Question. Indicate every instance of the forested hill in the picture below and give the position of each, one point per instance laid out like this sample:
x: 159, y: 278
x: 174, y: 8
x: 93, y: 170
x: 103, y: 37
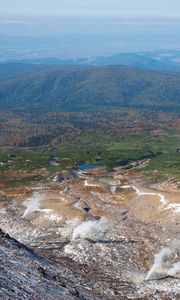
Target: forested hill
x: 80, y: 88
x: 12, y: 70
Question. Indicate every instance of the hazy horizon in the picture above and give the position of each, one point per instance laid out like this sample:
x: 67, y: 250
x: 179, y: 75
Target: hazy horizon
x: 100, y: 27
x: 96, y: 17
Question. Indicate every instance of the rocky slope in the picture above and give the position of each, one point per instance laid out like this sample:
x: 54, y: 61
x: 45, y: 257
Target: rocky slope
x: 100, y: 236
x: 26, y: 275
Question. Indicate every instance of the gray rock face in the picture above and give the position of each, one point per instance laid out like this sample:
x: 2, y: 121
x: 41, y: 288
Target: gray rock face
x: 26, y: 275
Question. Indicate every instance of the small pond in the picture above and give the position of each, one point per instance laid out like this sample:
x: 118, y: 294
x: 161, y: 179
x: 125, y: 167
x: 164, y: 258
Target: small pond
x: 89, y: 166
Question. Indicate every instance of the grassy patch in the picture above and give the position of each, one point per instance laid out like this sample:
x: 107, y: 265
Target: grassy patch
x: 3, y: 198
x: 168, y: 163
x: 15, y: 182
x: 114, y: 148
x: 93, y: 146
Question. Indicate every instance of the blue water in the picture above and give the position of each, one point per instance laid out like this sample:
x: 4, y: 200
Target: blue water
x: 89, y: 166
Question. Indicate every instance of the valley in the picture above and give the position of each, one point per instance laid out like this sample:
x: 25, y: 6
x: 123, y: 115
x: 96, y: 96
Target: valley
x: 89, y: 150
x: 113, y: 223
x: 89, y: 184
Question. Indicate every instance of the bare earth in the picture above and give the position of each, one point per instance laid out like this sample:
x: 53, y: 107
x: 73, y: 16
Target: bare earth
x: 105, y: 227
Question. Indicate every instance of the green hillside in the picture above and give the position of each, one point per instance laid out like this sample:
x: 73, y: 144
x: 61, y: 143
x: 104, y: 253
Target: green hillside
x: 79, y: 89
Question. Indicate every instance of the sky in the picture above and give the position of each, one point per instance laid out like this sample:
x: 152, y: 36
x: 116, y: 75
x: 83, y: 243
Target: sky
x: 148, y: 21
x: 93, y: 8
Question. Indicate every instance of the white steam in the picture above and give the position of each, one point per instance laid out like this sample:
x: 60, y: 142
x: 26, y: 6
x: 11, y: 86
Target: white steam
x: 174, y: 270
x: 33, y: 203
x: 91, y: 229
x: 52, y: 217
x: 158, y: 260
x: 113, y: 189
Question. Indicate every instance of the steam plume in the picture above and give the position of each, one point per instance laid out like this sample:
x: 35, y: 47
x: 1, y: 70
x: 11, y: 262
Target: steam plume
x: 33, y: 203
x: 91, y: 228
x: 158, y: 260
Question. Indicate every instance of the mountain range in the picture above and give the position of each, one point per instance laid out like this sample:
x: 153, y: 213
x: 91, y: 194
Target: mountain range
x: 53, y: 88
x: 164, y: 61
